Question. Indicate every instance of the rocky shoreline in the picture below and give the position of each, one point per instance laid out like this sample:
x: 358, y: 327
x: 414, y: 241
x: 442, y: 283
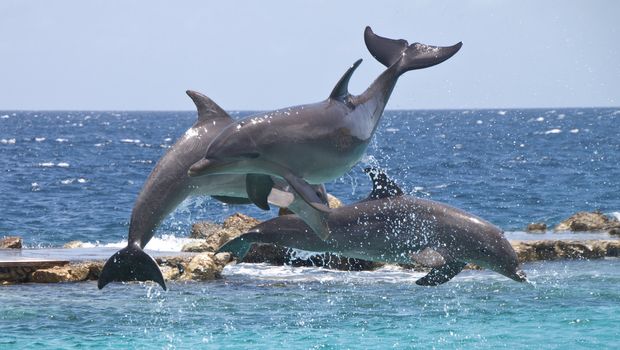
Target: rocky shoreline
x: 205, y: 264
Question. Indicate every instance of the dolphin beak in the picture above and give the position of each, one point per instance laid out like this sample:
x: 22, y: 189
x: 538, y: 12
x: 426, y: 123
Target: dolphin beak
x: 199, y: 168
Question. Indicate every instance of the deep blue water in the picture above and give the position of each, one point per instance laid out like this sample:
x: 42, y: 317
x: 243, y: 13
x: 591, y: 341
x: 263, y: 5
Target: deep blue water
x: 75, y: 175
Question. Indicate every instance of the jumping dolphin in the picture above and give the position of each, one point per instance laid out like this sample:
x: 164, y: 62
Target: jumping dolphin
x: 168, y: 185
x: 316, y: 143
x: 392, y: 227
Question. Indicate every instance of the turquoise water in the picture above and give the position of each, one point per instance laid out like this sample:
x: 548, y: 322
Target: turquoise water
x: 74, y: 176
x: 572, y: 304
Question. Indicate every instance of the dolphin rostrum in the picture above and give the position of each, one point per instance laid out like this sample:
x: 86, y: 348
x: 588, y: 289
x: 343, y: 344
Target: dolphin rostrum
x: 392, y: 227
x: 316, y: 143
x: 168, y: 185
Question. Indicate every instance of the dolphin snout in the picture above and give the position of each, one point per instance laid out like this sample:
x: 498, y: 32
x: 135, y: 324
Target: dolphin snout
x: 199, y: 168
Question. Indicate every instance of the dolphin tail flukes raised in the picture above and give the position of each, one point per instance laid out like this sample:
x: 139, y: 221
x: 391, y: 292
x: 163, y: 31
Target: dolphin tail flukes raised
x: 130, y: 264
x: 408, y: 57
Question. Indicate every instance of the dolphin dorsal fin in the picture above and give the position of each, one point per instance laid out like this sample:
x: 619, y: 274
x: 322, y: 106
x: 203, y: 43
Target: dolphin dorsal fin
x: 207, y: 109
x: 382, y: 185
x: 341, y: 90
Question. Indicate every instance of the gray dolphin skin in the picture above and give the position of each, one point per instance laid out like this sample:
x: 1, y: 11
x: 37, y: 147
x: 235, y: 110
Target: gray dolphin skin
x: 316, y: 143
x: 391, y: 227
x: 168, y: 185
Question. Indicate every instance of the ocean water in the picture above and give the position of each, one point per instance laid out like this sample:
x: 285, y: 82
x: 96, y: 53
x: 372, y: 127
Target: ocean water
x: 74, y: 176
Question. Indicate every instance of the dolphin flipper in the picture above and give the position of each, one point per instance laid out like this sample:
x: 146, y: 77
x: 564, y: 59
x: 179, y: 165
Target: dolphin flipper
x: 232, y: 200
x: 239, y: 247
x: 258, y: 187
x: 311, y: 209
x: 130, y: 264
x: 442, y: 274
x: 408, y: 57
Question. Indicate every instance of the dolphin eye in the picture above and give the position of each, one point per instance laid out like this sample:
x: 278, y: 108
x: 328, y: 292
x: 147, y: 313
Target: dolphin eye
x: 318, y: 193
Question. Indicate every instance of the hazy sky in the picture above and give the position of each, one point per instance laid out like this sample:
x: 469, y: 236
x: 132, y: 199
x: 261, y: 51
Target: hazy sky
x: 128, y: 55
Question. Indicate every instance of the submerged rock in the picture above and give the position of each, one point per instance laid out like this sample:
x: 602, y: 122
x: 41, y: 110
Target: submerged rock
x: 586, y: 221
x: 11, y: 242
x: 536, y: 227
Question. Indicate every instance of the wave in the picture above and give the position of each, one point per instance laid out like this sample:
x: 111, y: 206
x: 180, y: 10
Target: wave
x: 165, y: 243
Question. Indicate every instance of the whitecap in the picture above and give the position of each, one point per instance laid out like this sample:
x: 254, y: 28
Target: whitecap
x: 479, y: 122
x: 82, y: 180
x: 130, y: 141
x: 574, y: 131
x: 540, y: 119
x: 39, y: 139
x: 502, y: 112
x: 67, y: 181
x: 5, y: 116
x: 7, y: 141
x: 34, y: 187
x: 392, y: 129
x: 553, y: 131
x: 62, y: 165
x: 62, y: 140
x: 46, y: 164
x: 167, y: 139
x: 165, y: 243
x: 616, y: 214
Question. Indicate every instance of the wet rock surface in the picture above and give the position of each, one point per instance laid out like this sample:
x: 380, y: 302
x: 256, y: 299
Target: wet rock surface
x: 536, y: 227
x: 11, y: 242
x: 588, y: 221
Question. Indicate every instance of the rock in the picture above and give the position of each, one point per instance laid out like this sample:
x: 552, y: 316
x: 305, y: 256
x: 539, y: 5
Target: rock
x: 198, y: 247
x: 202, y: 267
x: 73, y: 244
x: 11, y: 242
x: 67, y: 273
x: 586, y: 221
x: 267, y: 253
x: 536, y: 227
x: 614, y: 231
x: 204, y: 229
x: 333, y: 201
x: 240, y: 222
x: 223, y: 258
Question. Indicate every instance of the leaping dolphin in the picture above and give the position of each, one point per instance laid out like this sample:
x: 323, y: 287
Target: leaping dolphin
x: 168, y: 185
x: 392, y: 227
x: 316, y: 143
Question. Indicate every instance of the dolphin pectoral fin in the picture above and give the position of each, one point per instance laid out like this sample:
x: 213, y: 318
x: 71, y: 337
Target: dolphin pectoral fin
x: 130, y: 264
x: 258, y: 187
x: 239, y: 247
x: 311, y: 208
x: 442, y: 274
x: 232, y: 200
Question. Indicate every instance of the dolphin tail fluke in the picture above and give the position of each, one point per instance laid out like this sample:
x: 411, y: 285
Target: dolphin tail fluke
x: 408, y: 57
x: 239, y: 247
x: 130, y: 264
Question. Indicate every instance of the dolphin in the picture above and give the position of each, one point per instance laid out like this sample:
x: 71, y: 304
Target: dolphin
x: 316, y: 143
x: 392, y: 227
x: 168, y: 185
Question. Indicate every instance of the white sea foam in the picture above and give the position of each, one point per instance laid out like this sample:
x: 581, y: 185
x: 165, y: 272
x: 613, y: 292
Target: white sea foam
x: 553, y: 131
x: 540, y: 119
x: 616, y: 214
x: 46, y: 164
x: 34, y: 187
x: 67, y: 181
x: 62, y: 165
x: 574, y: 131
x: 39, y: 139
x: 164, y: 243
x: 392, y: 129
x: 130, y: 141
x: 62, y: 140
x: 51, y: 164
x: 479, y: 122
x: 7, y: 141
x: 502, y: 112
x: 5, y: 116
